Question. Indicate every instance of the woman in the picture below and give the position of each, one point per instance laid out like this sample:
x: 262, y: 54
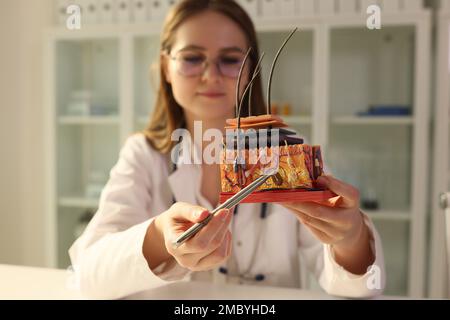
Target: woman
x: 148, y: 201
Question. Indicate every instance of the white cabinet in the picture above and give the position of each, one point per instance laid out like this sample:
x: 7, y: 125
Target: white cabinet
x: 101, y: 87
x: 327, y: 7
x: 391, y: 6
x: 123, y: 10
x: 250, y: 6
x: 378, y: 137
x: 414, y: 5
x: 89, y: 11
x: 364, y: 4
x: 84, y: 128
x: 288, y: 8
x: 307, y: 8
x: 145, y: 77
x: 158, y: 9
x: 106, y: 11
x: 140, y: 11
x: 347, y: 6
x: 441, y: 162
x: 270, y: 8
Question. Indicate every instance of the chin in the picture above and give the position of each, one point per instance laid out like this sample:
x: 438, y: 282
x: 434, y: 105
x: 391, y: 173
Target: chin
x: 217, y: 111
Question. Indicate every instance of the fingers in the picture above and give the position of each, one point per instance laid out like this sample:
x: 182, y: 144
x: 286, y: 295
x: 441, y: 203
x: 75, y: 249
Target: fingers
x: 207, y: 260
x: 320, y: 234
x: 209, y: 237
x: 209, y: 247
x: 217, y: 257
x: 310, y: 221
x: 221, y: 234
x: 327, y: 230
x: 188, y: 212
x: 349, y: 193
x: 314, y: 210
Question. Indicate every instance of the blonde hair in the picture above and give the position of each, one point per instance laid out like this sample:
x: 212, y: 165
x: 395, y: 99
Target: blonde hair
x: 167, y: 113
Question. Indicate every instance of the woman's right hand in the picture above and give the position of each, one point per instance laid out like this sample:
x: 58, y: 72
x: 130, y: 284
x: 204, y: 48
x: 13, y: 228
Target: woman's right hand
x: 207, y: 249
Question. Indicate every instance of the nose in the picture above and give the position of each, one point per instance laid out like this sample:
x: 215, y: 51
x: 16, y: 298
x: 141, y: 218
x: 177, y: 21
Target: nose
x: 212, y: 72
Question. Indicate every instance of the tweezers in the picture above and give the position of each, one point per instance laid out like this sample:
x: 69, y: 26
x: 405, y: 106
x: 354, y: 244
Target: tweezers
x: 230, y: 203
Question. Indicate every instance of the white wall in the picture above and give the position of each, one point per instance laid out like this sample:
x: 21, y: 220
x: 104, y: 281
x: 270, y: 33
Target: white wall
x: 10, y: 232
x: 22, y: 230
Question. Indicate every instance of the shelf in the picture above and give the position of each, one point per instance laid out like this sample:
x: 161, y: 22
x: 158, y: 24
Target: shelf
x: 110, y: 31
x: 88, y: 120
x: 389, y: 19
x: 78, y: 202
x: 391, y: 215
x: 378, y: 120
x: 262, y: 24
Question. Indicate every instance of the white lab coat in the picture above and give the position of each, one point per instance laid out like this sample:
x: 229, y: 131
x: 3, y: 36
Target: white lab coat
x: 108, y: 261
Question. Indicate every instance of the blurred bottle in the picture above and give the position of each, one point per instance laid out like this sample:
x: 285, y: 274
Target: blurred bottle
x: 79, y: 103
x: 287, y: 109
x: 275, y: 108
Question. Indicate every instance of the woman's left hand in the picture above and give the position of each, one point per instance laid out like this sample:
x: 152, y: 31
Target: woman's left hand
x: 341, y: 226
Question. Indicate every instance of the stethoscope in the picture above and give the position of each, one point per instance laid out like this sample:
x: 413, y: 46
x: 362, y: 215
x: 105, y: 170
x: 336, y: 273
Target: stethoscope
x: 245, y: 275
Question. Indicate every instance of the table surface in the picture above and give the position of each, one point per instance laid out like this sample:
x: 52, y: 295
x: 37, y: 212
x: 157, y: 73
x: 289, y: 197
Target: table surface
x: 21, y: 282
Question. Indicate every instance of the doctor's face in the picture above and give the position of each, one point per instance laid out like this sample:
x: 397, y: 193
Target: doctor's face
x: 203, y: 65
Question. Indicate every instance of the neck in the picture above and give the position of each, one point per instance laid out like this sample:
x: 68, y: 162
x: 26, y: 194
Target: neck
x: 215, y: 123
x: 210, y: 184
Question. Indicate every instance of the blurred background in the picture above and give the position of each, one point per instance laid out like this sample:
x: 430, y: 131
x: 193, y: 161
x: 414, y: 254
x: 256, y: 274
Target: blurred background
x: 376, y: 100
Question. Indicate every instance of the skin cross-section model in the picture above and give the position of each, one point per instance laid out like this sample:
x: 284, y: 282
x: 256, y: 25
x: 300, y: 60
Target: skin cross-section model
x: 245, y: 158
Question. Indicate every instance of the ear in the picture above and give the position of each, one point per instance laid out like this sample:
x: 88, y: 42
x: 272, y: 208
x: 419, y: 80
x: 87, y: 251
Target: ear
x: 165, y: 67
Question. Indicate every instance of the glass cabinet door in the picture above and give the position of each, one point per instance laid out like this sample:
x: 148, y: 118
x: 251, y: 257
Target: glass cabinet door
x: 87, y: 131
x: 372, y: 129
x: 146, y: 78
x: 87, y: 77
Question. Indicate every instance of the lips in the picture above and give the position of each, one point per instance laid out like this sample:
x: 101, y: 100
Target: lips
x: 211, y: 94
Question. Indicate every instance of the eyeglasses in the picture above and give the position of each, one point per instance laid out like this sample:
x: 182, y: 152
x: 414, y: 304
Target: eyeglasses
x: 192, y: 64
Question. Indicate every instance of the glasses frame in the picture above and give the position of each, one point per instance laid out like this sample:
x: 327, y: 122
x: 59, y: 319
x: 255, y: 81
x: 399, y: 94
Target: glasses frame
x: 206, y: 63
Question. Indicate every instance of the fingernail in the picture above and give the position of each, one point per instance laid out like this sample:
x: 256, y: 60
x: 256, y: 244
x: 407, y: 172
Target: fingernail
x: 198, y: 214
x: 322, y: 180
